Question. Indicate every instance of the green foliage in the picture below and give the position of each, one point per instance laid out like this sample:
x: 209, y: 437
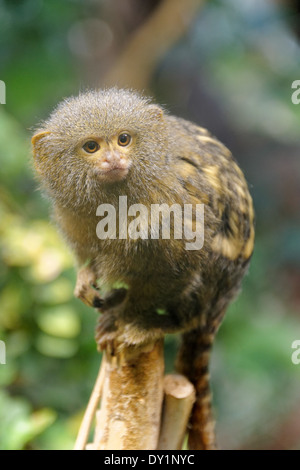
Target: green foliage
x: 51, y: 356
x: 19, y: 424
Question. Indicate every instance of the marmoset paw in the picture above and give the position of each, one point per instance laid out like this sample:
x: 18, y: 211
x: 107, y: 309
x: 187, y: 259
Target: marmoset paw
x: 88, y: 295
x: 86, y: 289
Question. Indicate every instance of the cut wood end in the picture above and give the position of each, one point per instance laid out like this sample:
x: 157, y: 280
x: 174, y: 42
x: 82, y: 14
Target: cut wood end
x: 179, y: 399
x: 178, y: 386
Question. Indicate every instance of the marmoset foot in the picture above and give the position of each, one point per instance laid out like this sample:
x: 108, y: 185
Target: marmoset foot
x: 115, y: 331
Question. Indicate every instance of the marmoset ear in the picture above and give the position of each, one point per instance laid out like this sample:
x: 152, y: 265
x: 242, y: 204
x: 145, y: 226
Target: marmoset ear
x: 39, y: 136
x: 37, y: 142
x: 156, y: 112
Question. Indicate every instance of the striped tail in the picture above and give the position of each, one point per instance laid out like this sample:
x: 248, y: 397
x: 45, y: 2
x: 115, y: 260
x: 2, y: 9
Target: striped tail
x: 193, y: 362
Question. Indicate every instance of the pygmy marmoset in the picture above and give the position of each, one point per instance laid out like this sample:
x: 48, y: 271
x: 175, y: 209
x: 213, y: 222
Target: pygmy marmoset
x: 105, y: 144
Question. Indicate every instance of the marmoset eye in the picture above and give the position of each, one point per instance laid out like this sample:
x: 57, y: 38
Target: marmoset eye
x: 124, y: 139
x: 91, y: 146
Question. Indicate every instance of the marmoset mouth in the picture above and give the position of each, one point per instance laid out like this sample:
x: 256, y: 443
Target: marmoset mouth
x: 111, y: 174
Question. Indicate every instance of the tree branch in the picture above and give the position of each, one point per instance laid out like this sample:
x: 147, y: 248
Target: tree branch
x: 135, y: 65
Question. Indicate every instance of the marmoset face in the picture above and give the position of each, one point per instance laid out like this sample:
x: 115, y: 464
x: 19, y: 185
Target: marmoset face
x: 96, y: 140
x: 109, y: 157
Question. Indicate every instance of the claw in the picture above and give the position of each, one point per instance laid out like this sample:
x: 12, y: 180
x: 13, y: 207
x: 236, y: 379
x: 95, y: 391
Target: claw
x: 107, y: 341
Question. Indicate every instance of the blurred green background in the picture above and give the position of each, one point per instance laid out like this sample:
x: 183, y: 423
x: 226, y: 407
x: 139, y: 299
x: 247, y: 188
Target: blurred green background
x: 230, y: 69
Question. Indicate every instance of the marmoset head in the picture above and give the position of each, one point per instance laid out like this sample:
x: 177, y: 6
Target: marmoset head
x: 97, y: 141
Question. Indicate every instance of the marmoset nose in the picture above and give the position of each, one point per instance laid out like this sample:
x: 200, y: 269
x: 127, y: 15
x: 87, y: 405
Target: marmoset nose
x: 113, y: 159
x: 110, y: 156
